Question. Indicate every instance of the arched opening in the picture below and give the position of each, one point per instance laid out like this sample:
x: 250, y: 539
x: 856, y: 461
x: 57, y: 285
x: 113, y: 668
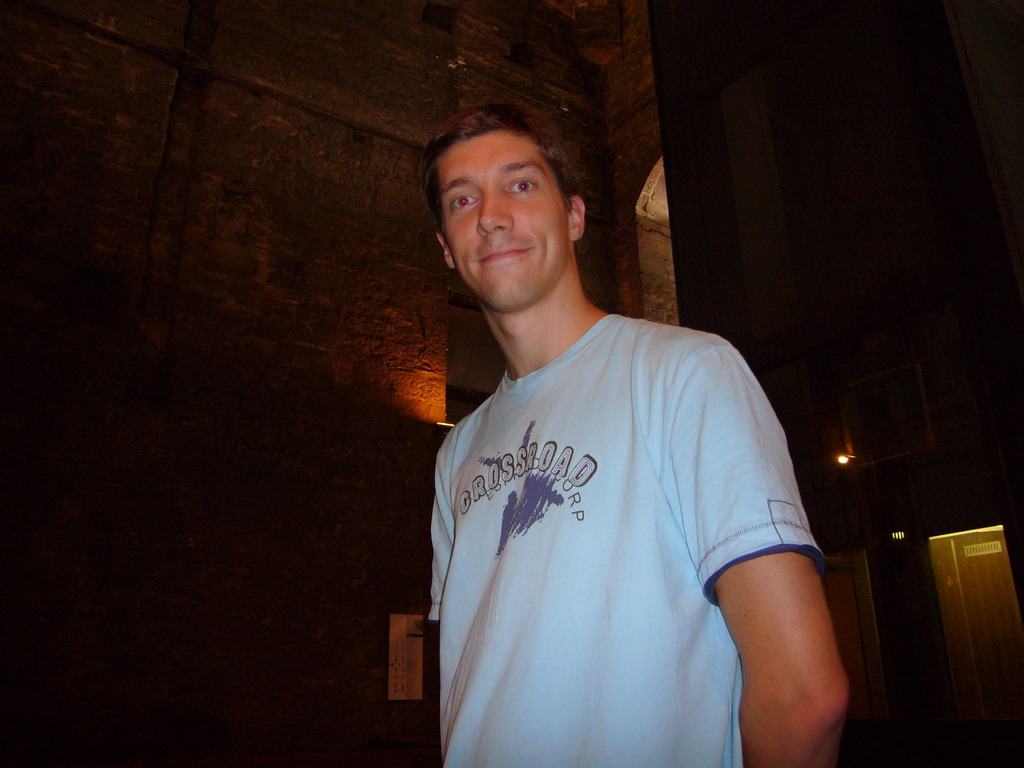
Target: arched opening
x: 654, y: 243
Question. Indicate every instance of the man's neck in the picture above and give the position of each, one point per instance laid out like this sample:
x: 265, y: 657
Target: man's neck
x: 530, y: 340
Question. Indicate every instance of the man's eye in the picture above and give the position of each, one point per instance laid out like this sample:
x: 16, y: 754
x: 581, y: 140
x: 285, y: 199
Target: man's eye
x: 460, y: 202
x: 524, y: 186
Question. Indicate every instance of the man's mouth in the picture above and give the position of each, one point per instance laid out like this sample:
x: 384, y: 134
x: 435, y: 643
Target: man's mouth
x: 500, y: 254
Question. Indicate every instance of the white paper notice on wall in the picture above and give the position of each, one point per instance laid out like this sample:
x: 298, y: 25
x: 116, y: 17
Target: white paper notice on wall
x: 405, y: 657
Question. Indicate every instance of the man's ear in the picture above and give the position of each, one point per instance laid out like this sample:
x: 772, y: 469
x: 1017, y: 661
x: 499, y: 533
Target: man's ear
x: 447, y: 252
x: 577, y: 217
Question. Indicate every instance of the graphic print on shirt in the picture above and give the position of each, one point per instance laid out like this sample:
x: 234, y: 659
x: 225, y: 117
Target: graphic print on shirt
x: 520, y: 514
x: 549, y: 481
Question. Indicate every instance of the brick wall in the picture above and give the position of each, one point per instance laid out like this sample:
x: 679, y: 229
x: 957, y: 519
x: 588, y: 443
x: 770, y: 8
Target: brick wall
x: 634, y: 138
x: 222, y: 319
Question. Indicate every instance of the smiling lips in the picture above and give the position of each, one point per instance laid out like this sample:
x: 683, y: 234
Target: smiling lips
x: 503, y: 253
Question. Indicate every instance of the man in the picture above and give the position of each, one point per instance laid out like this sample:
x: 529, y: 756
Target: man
x: 618, y: 526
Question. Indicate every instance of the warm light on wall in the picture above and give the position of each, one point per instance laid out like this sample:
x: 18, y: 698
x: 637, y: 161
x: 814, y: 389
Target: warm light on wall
x: 899, y: 535
x: 844, y: 458
x: 417, y: 394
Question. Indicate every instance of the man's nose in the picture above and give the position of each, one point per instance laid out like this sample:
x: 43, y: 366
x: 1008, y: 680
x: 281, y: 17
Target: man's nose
x: 495, y: 214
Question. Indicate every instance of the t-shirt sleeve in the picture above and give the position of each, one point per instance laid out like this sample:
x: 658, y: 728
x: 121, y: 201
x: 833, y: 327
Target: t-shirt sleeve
x: 738, y: 497
x: 442, y: 533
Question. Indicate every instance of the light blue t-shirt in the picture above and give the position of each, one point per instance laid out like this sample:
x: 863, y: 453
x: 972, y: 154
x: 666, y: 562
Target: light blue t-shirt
x: 582, y: 516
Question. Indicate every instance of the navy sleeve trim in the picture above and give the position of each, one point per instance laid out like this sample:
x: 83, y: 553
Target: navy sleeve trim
x: 804, y: 549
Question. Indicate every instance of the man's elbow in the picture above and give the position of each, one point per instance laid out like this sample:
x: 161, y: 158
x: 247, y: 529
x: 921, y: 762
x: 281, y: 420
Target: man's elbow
x: 824, y: 710
x: 812, y: 716
x: 817, y: 716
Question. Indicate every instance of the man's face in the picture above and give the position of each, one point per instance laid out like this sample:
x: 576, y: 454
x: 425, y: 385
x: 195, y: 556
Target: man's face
x: 507, y: 230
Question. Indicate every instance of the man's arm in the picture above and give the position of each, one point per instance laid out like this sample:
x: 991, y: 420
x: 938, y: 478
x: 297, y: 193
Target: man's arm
x: 794, y: 686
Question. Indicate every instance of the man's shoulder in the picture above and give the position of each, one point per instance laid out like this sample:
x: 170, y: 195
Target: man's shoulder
x: 650, y: 338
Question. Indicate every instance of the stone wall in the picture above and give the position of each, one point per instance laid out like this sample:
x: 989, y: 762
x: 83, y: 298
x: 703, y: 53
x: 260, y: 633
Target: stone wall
x: 223, y: 333
x: 634, y: 138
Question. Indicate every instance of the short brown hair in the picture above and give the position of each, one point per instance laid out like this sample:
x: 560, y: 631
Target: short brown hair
x: 517, y: 119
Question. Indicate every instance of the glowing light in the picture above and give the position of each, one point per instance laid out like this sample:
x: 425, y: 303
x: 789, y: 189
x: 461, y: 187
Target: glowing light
x: 899, y: 535
x: 987, y: 529
x: 844, y: 458
x: 445, y: 424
